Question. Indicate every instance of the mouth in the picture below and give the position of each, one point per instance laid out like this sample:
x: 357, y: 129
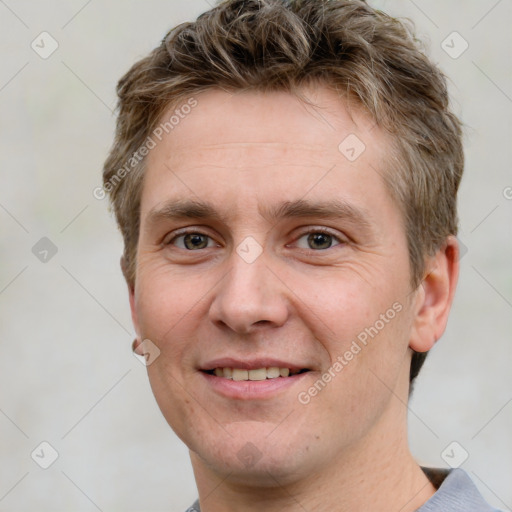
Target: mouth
x: 257, y: 379
x: 260, y: 383
x: 256, y: 374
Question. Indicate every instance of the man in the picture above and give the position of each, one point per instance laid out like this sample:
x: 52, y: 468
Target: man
x: 284, y: 175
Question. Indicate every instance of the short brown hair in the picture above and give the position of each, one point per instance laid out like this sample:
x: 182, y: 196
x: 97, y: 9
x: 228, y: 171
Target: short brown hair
x: 270, y: 45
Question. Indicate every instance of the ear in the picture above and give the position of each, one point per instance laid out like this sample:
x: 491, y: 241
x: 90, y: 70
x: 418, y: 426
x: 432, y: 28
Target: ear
x: 434, y: 296
x: 131, y: 296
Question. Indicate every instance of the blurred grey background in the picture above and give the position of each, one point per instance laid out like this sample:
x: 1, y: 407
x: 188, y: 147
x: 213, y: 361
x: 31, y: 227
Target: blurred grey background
x: 67, y: 374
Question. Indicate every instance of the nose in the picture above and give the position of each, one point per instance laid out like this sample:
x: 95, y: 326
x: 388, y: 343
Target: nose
x: 249, y: 297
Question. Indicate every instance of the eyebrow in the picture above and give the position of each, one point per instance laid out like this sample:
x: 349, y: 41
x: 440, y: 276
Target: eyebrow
x: 330, y: 209
x: 196, y: 209
x: 182, y: 209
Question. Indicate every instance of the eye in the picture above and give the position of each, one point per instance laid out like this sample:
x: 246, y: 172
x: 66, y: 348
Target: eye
x: 191, y: 241
x: 318, y: 240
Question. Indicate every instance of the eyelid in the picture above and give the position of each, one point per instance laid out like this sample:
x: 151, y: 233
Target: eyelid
x: 342, y: 239
x: 170, y: 237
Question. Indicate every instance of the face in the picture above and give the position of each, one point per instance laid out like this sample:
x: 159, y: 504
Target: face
x: 271, y: 250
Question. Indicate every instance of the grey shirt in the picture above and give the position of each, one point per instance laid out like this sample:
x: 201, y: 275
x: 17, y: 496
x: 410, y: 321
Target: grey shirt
x: 455, y: 493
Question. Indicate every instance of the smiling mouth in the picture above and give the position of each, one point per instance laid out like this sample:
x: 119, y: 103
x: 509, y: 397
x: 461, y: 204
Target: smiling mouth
x: 258, y: 374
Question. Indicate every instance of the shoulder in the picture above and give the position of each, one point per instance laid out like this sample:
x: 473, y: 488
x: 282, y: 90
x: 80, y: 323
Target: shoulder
x: 456, y: 491
x: 194, y: 507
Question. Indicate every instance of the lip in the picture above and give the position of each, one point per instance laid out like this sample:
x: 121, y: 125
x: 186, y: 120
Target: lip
x: 251, y: 389
x: 252, y: 364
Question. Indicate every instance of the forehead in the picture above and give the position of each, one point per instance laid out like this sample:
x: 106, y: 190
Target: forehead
x: 267, y: 146
x: 315, y: 119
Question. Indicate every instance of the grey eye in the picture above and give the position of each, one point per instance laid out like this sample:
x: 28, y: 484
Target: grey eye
x: 317, y: 240
x: 192, y: 241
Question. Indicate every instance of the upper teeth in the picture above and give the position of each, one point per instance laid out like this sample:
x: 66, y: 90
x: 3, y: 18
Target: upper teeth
x: 258, y: 374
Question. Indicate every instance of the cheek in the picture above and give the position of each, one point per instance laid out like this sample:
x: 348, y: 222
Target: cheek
x: 367, y: 365
x: 344, y: 304
x: 164, y: 300
x: 165, y: 319
x: 168, y: 317
x: 364, y: 328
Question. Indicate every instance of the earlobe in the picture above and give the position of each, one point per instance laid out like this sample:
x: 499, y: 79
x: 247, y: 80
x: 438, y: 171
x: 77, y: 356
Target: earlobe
x: 435, y: 296
x: 137, y: 347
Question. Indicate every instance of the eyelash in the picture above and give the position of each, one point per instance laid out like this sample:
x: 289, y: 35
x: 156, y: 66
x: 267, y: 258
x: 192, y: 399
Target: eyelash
x: 305, y: 233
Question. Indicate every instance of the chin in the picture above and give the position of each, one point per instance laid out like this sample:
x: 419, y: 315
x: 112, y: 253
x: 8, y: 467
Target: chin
x: 256, y: 458
x: 255, y: 469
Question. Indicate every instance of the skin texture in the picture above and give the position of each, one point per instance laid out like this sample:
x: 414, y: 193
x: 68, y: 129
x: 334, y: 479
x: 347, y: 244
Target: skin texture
x: 245, y: 154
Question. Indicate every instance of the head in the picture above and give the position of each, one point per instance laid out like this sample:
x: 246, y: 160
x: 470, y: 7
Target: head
x: 251, y: 122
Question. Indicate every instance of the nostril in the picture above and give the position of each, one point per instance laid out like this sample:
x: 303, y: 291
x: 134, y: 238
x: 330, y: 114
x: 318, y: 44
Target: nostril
x: 262, y: 322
